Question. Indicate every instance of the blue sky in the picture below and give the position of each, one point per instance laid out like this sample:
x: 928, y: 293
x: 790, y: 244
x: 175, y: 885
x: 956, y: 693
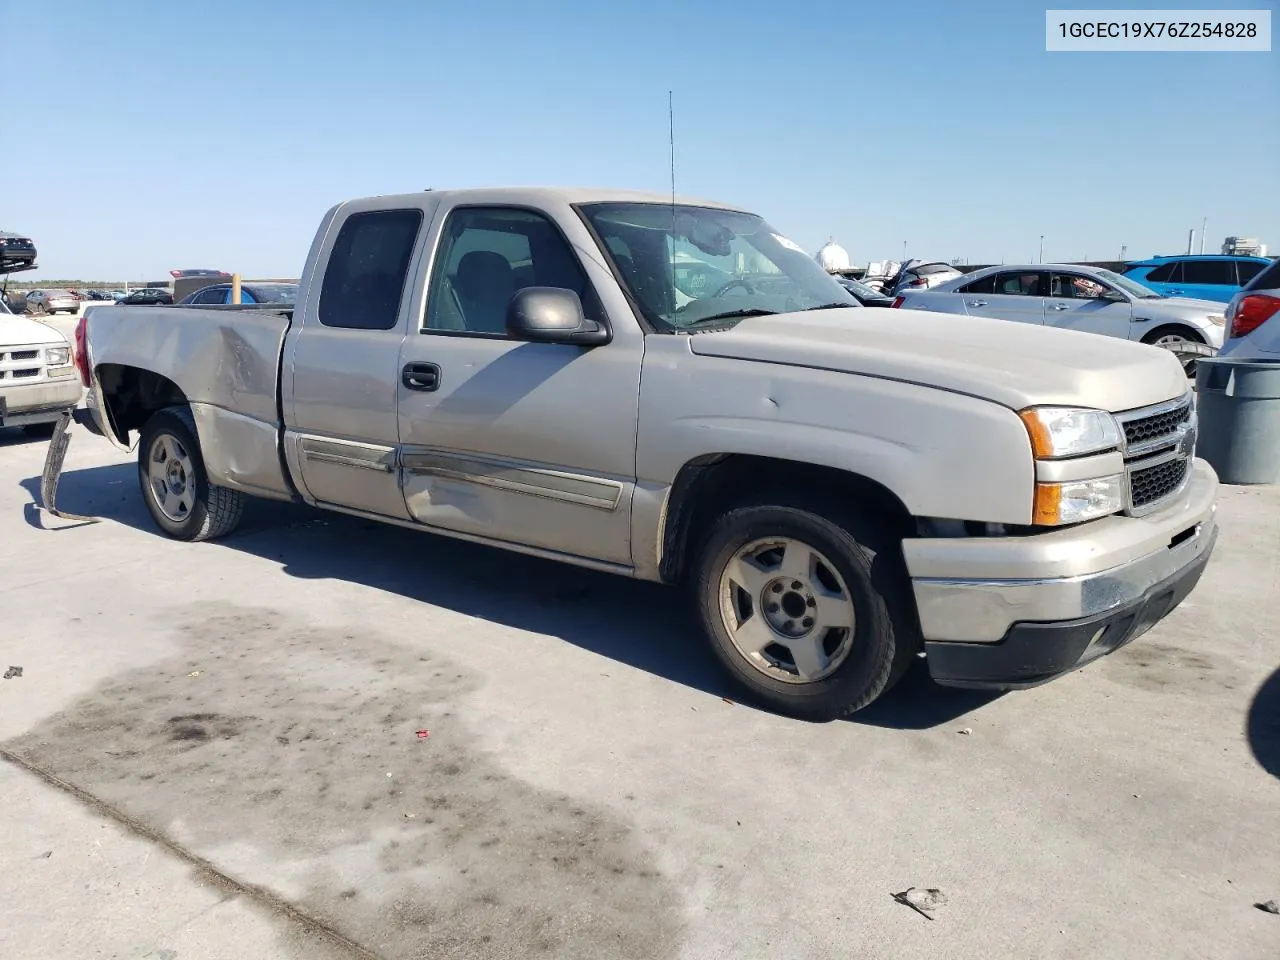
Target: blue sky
x: 950, y: 128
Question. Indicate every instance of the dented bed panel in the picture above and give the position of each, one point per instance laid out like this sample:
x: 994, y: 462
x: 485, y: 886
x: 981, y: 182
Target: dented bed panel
x: 226, y: 362
x: 240, y: 452
x: 226, y: 358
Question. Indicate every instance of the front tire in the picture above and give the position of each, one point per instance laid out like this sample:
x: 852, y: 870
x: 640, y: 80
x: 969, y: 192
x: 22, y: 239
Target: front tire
x: 806, y: 606
x: 175, y: 486
x: 1169, y: 337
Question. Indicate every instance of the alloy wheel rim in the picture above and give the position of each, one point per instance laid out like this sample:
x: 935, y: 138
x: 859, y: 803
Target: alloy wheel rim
x: 171, y: 478
x: 787, y: 610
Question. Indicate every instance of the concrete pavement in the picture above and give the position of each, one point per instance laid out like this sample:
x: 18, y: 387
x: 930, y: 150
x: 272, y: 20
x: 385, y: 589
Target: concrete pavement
x: 584, y: 789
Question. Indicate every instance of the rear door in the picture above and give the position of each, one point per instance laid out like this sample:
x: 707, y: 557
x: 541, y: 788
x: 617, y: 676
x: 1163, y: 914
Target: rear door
x: 1016, y: 295
x: 1078, y: 301
x: 532, y: 443
x: 342, y: 359
x: 1206, y: 280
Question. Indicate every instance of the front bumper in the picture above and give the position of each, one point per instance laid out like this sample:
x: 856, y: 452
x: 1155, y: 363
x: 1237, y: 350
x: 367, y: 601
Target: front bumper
x: 1025, y: 609
x: 38, y: 402
x: 1032, y: 653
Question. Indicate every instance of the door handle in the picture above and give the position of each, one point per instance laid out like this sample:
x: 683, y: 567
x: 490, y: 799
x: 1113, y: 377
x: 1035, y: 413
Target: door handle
x: 1060, y: 306
x: 977, y: 303
x: 1176, y: 293
x: 421, y: 376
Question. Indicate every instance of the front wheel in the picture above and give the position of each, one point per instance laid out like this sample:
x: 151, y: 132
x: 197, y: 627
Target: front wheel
x: 1176, y: 339
x: 806, y: 606
x: 175, y: 486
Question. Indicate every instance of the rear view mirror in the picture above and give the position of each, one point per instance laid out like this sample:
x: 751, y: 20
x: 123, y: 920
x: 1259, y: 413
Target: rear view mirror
x: 552, y: 315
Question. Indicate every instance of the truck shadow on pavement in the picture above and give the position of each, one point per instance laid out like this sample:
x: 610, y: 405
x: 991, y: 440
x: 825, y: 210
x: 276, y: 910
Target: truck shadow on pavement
x: 644, y: 625
x: 1263, y: 725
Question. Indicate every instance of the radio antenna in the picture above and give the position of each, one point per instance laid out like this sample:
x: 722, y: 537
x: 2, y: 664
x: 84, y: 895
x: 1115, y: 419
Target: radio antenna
x: 671, y: 138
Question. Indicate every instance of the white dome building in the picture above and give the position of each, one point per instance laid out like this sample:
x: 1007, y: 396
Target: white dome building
x: 833, y: 257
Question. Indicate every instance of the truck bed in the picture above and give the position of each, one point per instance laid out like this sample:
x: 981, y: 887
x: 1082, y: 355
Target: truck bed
x: 225, y: 362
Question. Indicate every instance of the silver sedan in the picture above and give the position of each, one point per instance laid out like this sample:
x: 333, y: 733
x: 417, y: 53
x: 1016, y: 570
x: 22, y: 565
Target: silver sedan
x: 1089, y: 299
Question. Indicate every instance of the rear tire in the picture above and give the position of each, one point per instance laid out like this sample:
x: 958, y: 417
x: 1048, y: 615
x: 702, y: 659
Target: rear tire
x: 806, y: 605
x: 175, y: 486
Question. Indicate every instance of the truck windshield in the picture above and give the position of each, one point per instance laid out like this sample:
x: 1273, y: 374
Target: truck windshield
x: 688, y: 266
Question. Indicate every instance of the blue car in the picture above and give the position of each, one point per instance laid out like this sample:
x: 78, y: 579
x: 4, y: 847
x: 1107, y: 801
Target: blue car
x: 1201, y: 277
x: 220, y: 293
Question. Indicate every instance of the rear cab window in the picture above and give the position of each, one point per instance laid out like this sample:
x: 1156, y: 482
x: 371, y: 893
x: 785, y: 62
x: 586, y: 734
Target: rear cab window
x: 365, y: 277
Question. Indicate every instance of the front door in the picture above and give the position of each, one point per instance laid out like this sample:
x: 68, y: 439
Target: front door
x: 1080, y: 302
x: 532, y: 443
x: 1016, y: 295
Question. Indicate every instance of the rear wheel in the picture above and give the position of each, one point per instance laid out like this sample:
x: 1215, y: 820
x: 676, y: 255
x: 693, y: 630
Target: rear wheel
x: 175, y: 486
x: 806, y: 606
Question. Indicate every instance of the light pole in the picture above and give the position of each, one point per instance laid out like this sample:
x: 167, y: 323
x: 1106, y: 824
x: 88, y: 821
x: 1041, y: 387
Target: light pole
x: 1042, y: 248
x: 904, y: 251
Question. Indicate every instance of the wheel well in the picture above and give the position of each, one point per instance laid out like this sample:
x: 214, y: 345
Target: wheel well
x: 707, y: 485
x: 1187, y: 332
x: 131, y: 395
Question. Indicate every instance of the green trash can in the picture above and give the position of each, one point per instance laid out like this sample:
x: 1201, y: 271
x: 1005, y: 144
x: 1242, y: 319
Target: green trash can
x: 1239, y: 409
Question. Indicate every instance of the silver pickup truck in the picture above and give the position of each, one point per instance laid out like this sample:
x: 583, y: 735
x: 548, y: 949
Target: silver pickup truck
x: 674, y: 391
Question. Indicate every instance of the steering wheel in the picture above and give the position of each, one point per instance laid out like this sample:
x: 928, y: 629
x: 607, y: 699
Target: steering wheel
x: 735, y: 282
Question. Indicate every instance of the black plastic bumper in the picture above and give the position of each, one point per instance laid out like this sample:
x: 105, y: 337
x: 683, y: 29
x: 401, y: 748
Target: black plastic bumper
x: 1034, y: 653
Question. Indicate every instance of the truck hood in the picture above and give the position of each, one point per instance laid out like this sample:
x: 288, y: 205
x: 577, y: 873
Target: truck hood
x: 1013, y: 364
x: 18, y: 331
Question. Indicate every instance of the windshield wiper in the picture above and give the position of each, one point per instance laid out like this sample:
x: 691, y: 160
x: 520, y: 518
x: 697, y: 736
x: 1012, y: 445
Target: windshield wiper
x: 730, y: 315
x: 831, y: 306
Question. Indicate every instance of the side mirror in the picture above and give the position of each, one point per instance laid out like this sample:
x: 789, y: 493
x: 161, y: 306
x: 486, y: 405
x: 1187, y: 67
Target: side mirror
x: 552, y: 315
x: 1114, y: 296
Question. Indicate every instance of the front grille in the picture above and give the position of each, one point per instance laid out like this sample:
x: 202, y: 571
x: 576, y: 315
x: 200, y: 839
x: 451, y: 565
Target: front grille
x: 1155, y: 425
x: 24, y: 354
x: 1159, y: 445
x: 27, y: 372
x: 1150, y: 485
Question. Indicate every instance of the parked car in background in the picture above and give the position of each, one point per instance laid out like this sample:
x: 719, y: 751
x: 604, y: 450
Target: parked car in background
x: 865, y: 295
x: 1253, y: 327
x: 16, y: 249
x: 116, y: 295
x: 1204, y: 277
x: 1089, y: 299
x: 97, y: 295
x: 220, y: 293
x: 920, y: 275
x: 37, y: 377
x: 147, y: 297
x: 52, y: 301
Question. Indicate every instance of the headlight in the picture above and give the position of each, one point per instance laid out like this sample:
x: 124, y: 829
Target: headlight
x: 1070, y: 431
x: 58, y: 356
x: 1062, y: 503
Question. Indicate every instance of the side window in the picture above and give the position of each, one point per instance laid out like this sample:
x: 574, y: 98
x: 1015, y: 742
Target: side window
x: 1026, y: 283
x: 485, y: 255
x: 1246, y: 270
x: 1209, y: 271
x: 216, y: 295
x: 364, y: 280
x: 1073, y: 286
x: 1166, y: 273
x: 985, y: 285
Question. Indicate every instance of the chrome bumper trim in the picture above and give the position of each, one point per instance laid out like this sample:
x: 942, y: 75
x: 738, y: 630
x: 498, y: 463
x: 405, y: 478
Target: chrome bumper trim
x: 982, y: 611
